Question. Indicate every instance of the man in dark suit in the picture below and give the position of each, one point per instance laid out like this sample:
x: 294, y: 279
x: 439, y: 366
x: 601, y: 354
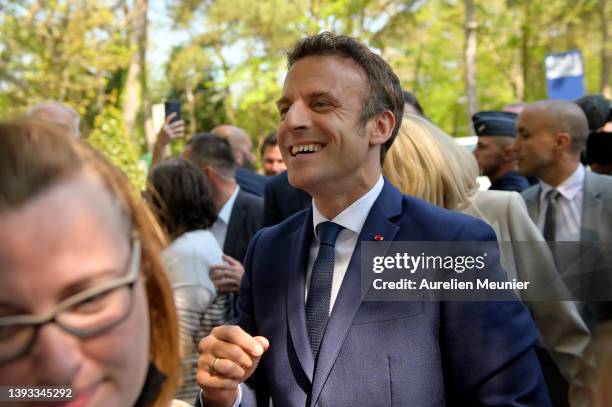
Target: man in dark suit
x: 241, y: 143
x: 239, y: 213
x: 318, y: 343
x: 281, y: 200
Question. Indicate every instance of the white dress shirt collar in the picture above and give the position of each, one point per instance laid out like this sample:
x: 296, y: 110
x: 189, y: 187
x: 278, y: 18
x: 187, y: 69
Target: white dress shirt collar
x: 353, y: 217
x: 226, y: 210
x: 568, y: 188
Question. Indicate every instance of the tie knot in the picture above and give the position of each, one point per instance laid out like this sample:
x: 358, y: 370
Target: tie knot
x: 328, y: 232
x: 553, y: 195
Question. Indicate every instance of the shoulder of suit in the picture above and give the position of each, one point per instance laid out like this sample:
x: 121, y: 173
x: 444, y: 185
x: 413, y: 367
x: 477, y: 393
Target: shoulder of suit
x: 249, y: 199
x: 496, y: 199
x: 278, y: 180
x: 435, y: 218
x: 287, y: 226
x: 531, y: 192
x: 603, y: 182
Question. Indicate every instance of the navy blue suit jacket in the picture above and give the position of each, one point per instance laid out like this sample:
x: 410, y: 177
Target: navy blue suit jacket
x: 383, y: 353
x: 510, y: 181
x: 282, y: 200
x: 251, y: 182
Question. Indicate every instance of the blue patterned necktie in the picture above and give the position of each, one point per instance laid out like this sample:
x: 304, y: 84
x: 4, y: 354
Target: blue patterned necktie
x: 319, y: 290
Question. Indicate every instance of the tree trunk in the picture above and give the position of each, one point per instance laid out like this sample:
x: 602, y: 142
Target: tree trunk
x: 606, y: 51
x: 229, y: 110
x: 137, y: 23
x: 518, y: 80
x: 417, y: 68
x: 470, y: 59
x: 525, y: 46
x: 148, y: 121
x: 191, y: 110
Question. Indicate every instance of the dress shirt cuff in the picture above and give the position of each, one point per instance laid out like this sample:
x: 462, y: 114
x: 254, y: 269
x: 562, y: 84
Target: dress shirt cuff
x: 236, y: 402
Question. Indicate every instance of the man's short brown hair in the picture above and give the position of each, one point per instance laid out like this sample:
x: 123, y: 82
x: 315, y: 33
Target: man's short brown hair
x: 385, y: 92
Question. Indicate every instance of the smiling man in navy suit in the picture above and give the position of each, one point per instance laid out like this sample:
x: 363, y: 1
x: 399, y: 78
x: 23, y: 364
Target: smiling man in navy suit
x: 305, y: 337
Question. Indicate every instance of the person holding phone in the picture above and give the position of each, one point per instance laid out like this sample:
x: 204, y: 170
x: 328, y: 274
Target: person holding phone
x: 172, y: 129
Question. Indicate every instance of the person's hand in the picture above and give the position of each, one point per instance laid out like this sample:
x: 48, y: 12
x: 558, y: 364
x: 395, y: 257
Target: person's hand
x: 226, y: 277
x: 168, y: 132
x: 228, y: 356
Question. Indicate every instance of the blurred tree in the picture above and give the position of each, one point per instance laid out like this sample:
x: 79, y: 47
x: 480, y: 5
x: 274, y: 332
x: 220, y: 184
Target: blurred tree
x: 470, y: 58
x: 232, y: 67
x: 59, y: 50
x: 77, y: 53
x: 186, y: 70
x: 604, y: 11
x: 109, y: 136
x: 136, y: 97
x: 245, y: 54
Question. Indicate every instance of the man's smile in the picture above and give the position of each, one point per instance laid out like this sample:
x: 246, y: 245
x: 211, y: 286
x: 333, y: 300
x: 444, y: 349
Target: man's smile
x: 310, y: 148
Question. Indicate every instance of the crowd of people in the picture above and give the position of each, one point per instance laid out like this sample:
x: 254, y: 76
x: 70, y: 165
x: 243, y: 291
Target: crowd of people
x: 222, y: 286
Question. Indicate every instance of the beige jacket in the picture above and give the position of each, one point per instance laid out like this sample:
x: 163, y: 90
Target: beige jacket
x: 559, y: 322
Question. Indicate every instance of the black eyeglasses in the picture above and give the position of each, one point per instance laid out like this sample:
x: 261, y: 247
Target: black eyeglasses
x: 90, y: 312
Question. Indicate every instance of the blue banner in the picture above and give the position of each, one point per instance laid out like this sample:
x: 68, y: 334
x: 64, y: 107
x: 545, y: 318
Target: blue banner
x: 565, y: 75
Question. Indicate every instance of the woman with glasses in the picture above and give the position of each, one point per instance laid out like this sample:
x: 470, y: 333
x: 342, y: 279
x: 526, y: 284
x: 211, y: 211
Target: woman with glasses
x: 179, y: 195
x: 84, y: 302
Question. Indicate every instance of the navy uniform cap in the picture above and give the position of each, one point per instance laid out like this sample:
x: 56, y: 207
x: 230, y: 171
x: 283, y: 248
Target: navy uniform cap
x: 495, y: 123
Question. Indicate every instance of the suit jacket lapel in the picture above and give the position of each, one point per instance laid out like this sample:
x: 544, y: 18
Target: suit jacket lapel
x: 532, y: 200
x: 296, y: 309
x: 236, y: 221
x: 387, y: 205
x: 592, y: 207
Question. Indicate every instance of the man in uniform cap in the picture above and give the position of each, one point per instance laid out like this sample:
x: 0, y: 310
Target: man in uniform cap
x: 496, y: 158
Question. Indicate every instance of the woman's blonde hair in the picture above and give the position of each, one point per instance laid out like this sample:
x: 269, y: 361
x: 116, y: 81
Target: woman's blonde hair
x: 427, y: 163
x: 35, y: 156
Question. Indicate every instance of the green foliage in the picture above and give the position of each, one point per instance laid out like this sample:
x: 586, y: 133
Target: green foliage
x: 60, y: 50
x: 110, y: 138
x: 231, y: 69
x: 422, y: 40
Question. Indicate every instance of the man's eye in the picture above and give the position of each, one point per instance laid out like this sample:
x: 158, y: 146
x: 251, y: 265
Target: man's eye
x: 320, y: 104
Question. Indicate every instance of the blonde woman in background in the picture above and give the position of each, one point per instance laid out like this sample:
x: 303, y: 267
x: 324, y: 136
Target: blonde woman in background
x: 427, y: 163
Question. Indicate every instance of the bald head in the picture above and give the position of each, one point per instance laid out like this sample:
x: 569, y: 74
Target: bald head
x: 57, y: 113
x: 240, y: 141
x: 562, y: 116
x: 514, y: 107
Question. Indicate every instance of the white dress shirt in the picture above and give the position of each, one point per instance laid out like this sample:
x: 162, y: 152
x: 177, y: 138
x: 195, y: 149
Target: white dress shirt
x: 352, y: 219
x: 219, y: 228
x: 569, y: 206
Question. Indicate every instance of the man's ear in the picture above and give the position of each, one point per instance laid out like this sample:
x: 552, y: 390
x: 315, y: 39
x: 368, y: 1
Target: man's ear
x: 563, y: 141
x: 208, y: 171
x: 381, y: 127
